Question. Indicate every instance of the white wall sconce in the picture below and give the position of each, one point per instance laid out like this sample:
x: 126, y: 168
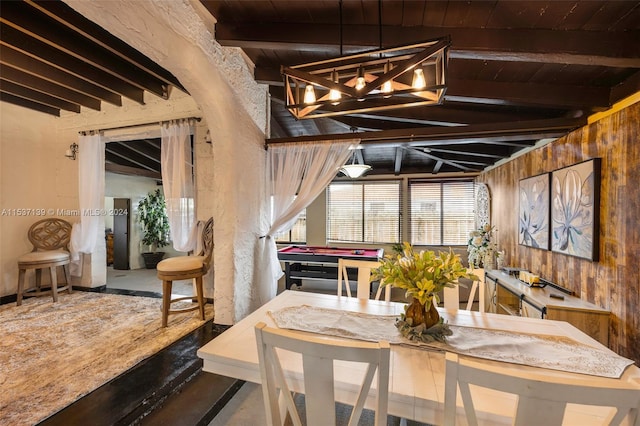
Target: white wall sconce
x: 72, y: 151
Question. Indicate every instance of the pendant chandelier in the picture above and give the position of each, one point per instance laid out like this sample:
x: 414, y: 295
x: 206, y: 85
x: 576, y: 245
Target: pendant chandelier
x: 354, y: 170
x: 376, y: 80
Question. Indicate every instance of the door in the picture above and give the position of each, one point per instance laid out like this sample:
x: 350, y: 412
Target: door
x: 121, y: 209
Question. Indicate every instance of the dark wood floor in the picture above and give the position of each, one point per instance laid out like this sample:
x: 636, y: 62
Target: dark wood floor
x: 168, y: 388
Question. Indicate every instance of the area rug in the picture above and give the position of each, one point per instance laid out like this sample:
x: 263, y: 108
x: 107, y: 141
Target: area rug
x: 51, y: 354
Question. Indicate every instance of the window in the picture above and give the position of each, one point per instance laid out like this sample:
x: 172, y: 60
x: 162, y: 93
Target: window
x: 441, y: 213
x: 298, y: 233
x: 363, y: 212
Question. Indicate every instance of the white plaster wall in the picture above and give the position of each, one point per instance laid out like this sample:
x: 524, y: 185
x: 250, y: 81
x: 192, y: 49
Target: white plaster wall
x: 175, y: 36
x: 34, y: 174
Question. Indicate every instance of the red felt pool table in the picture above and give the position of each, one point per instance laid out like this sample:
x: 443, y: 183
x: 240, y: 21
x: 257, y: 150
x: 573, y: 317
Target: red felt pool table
x: 313, y: 262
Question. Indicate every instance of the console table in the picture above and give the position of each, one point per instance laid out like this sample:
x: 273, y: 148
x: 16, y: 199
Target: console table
x: 505, y: 294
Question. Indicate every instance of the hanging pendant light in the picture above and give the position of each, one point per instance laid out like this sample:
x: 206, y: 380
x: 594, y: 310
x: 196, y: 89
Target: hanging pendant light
x: 309, y: 94
x: 383, y: 79
x: 354, y: 170
x: 387, y: 86
x: 418, y: 79
x: 335, y: 95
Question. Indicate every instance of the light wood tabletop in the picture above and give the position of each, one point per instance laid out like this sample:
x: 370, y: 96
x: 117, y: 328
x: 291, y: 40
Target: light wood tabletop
x: 416, y: 385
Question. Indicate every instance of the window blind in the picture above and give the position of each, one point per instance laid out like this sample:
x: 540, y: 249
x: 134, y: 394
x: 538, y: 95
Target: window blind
x: 363, y: 212
x: 441, y: 213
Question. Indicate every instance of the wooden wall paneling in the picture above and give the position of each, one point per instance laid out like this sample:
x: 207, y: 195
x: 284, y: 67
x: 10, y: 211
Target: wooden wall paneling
x: 614, y: 281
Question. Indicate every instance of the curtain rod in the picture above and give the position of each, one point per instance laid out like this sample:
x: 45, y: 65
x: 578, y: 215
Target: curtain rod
x: 84, y: 132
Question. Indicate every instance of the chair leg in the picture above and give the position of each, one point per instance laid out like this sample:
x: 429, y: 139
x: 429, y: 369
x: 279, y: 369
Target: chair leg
x: 38, y: 280
x: 166, y: 300
x: 200, y: 296
x: 67, y: 277
x: 21, y: 277
x: 54, y: 283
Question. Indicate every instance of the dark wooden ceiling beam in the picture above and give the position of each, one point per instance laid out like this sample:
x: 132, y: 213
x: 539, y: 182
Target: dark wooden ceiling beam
x: 598, y: 48
x: 30, y: 21
x: 477, y: 133
x: 124, y: 150
x: 33, y: 47
x: 35, y: 96
x: 397, y: 161
x: 30, y: 65
x: 67, y: 16
x: 131, y: 171
x: 442, y: 160
x: 25, y: 103
x: 36, y: 83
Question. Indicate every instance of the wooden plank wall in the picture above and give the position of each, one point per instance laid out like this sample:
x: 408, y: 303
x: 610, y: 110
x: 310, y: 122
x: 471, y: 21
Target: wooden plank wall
x: 613, y: 282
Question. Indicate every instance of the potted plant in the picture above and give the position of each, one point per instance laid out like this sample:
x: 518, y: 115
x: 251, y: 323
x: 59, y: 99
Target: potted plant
x: 423, y: 275
x: 152, y: 215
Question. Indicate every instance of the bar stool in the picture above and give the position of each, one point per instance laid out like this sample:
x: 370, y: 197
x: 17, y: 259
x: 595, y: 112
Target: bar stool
x: 183, y: 268
x: 50, y: 240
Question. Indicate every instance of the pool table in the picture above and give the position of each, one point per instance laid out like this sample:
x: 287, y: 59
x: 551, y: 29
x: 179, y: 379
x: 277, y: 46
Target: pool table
x: 319, y: 263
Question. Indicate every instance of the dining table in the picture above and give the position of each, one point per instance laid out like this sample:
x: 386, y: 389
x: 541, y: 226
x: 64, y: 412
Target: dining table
x: 417, y: 373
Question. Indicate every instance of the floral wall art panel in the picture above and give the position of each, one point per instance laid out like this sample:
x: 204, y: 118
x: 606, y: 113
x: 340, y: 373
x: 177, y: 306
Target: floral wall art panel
x: 575, y: 199
x: 533, y: 219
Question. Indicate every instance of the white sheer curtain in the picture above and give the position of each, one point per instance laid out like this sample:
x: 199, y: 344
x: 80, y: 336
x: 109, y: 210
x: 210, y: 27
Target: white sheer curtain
x: 84, y: 235
x: 177, y: 183
x: 296, y: 175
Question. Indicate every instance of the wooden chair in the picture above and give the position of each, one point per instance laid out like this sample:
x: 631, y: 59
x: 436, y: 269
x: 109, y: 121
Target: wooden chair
x: 50, y: 240
x: 363, y: 290
x: 318, y: 355
x: 183, y: 268
x: 451, y: 296
x: 540, y: 400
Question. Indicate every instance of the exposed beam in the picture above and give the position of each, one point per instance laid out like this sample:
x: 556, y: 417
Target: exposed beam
x: 126, y: 170
x: 35, y: 96
x: 25, y: 103
x: 478, y: 133
x: 30, y: 21
x: 30, y: 65
x: 67, y: 16
x: 36, y: 83
x: 397, y: 162
x: 598, y: 48
x: 441, y: 160
x: 35, y: 48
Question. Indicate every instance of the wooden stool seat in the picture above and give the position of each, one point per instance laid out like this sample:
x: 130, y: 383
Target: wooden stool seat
x: 50, y: 238
x: 184, y: 268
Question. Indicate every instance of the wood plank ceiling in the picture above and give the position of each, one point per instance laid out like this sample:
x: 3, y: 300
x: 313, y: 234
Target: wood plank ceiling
x: 519, y: 71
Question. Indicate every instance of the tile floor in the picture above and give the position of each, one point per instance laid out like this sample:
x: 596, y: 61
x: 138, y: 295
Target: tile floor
x: 144, y: 280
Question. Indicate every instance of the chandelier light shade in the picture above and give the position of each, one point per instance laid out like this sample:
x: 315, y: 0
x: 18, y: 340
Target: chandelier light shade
x: 354, y: 170
x: 383, y: 79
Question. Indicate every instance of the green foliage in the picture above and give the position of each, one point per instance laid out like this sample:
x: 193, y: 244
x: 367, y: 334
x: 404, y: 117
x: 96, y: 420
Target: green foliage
x: 152, y: 214
x: 422, y: 274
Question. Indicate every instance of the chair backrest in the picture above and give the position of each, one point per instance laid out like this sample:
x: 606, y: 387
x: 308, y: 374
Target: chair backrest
x: 451, y: 295
x: 364, y: 268
x: 318, y: 356
x: 540, y: 399
x: 207, y: 242
x: 50, y: 234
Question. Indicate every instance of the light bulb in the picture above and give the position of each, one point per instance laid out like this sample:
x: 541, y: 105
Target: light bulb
x: 418, y: 79
x: 334, y: 95
x: 387, y: 87
x: 309, y: 94
x: 360, y: 81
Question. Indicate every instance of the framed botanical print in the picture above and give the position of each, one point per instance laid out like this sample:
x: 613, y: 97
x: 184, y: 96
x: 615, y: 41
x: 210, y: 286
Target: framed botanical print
x: 575, y: 200
x: 533, y: 214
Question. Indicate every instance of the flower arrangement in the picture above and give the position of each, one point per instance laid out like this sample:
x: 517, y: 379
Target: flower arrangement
x: 480, y: 247
x: 422, y: 274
